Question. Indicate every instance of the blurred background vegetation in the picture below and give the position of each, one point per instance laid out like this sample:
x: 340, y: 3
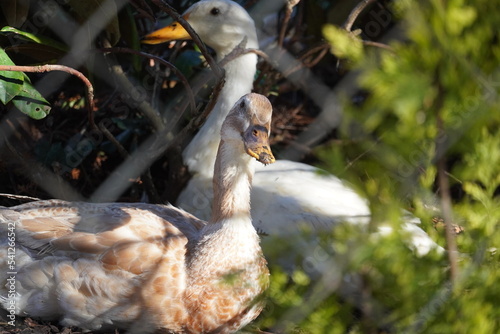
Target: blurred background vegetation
x: 419, y: 129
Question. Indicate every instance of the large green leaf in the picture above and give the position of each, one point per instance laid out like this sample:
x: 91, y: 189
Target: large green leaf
x: 16, y: 87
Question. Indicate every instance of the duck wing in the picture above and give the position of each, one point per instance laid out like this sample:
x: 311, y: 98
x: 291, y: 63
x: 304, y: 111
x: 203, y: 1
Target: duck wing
x: 78, y: 228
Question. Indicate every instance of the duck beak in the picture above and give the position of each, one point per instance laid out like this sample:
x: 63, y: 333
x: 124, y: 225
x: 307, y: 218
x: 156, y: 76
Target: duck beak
x: 175, y: 31
x: 256, y: 141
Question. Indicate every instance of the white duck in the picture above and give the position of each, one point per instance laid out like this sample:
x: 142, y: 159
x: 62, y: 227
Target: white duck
x: 146, y: 267
x: 286, y: 194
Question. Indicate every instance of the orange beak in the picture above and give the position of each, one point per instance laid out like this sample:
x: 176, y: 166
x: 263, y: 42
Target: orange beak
x: 175, y: 31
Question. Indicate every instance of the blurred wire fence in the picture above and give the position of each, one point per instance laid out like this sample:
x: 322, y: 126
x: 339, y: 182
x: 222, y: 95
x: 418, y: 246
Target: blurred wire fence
x: 145, y: 115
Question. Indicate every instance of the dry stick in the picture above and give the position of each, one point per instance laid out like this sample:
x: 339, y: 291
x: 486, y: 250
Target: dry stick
x: 444, y: 187
x: 352, y: 18
x: 72, y: 71
x: 177, y: 17
x: 197, y: 121
x: 323, y: 49
x: 288, y: 13
x: 355, y: 13
x: 161, y: 61
x: 444, y: 190
x: 123, y: 152
x: 378, y: 45
x: 20, y: 197
x: 241, y: 50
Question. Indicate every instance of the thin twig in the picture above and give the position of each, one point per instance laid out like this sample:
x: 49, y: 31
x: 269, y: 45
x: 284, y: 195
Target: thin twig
x: 174, y: 69
x: 444, y: 189
x: 323, y: 50
x: 177, y: 17
x: 197, y: 121
x: 352, y: 18
x: 241, y: 50
x: 355, y: 13
x: 20, y: 197
x: 123, y: 152
x: 290, y: 4
x: 378, y: 45
x: 72, y: 71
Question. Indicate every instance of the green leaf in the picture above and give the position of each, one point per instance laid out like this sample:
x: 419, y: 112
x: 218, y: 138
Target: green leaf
x: 460, y: 18
x: 30, y: 102
x: 344, y: 44
x: 10, y: 81
x: 15, y: 86
x: 33, y: 38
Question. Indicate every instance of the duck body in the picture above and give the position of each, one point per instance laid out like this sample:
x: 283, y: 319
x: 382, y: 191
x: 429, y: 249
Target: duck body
x: 144, y: 267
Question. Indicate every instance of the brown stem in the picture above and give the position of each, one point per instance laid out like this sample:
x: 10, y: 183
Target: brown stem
x: 446, y: 206
x: 378, y: 45
x: 323, y: 49
x: 121, y: 150
x: 355, y: 13
x: 20, y: 197
x: 197, y: 121
x: 444, y: 186
x: 72, y: 71
x: 288, y: 12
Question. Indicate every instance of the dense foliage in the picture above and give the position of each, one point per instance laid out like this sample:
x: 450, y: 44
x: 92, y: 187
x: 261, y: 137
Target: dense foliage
x: 432, y: 98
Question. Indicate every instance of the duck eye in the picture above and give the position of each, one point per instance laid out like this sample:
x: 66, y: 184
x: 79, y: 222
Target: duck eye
x: 242, y: 104
x: 215, y: 11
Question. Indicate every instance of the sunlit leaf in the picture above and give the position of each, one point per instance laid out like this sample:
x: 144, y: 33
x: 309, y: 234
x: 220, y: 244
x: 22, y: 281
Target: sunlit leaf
x: 343, y: 44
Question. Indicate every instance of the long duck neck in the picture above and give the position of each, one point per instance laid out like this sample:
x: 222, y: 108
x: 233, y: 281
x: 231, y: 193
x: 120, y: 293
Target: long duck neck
x: 231, y: 183
x: 201, y: 152
x: 229, y: 235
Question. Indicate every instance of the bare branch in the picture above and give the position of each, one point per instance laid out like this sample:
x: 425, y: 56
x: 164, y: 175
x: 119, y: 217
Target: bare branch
x: 197, y: 121
x: 444, y: 190
x: 355, y: 13
x: 72, y: 71
x: 123, y: 152
x: 290, y: 4
x: 378, y: 45
x: 20, y: 197
x: 322, y: 49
